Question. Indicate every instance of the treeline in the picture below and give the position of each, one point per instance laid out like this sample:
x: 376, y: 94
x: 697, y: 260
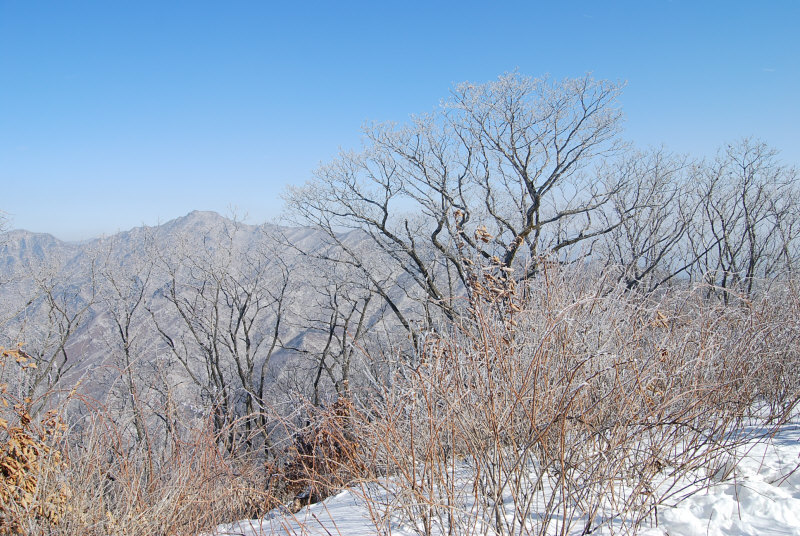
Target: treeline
x: 508, y: 245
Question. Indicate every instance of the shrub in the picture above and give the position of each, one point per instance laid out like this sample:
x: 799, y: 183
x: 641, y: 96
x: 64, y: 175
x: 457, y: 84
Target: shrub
x: 89, y: 479
x: 571, y: 403
x: 29, y: 457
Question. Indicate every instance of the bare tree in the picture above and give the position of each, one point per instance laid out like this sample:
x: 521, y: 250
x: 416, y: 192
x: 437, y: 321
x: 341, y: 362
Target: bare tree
x: 125, y: 284
x: 655, y: 207
x: 749, y: 224
x: 58, y: 308
x: 229, y: 301
x: 334, y: 320
x: 507, y: 163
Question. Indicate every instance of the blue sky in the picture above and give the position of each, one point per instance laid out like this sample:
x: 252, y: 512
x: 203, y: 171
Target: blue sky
x: 115, y: 114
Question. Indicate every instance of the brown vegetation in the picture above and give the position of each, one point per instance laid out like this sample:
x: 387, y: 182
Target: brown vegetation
x: 578, y: 405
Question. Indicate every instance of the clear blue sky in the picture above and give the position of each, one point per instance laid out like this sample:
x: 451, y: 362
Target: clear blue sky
x: 114, y: 114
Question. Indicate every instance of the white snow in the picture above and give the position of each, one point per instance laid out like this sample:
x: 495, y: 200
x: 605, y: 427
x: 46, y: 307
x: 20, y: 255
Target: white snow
x: 343, y: 514
x: 760, y: 496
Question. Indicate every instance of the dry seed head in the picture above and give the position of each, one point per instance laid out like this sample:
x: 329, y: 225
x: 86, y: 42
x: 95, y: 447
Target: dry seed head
x: 482, y: 234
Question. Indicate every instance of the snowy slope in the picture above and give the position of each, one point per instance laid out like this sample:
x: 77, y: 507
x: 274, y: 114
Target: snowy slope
x: 761, y: 496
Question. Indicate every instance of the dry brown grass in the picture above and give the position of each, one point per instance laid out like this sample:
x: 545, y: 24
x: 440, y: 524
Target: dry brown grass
x: 191, y: 487
x: 88, y: 479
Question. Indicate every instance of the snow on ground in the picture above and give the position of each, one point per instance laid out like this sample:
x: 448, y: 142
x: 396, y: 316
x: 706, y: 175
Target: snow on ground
x: 760, y: 497
x: 343, y: 514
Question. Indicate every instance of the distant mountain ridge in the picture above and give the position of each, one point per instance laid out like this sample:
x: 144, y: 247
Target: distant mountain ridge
x: 65, y: 300
x: 31, y: 261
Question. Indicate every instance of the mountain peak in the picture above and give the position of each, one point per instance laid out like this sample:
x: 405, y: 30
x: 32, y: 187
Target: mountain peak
x: 195, y: 219
x: 201, y: 216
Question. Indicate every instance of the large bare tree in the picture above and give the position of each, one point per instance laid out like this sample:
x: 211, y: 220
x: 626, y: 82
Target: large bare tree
x: 503, y: 170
